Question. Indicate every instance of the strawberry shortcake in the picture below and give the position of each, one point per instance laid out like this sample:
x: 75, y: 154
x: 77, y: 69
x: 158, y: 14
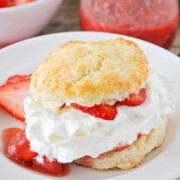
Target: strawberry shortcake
x: 96, y: 104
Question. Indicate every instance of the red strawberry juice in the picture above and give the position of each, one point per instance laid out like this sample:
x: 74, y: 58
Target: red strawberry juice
x: 155, y: 21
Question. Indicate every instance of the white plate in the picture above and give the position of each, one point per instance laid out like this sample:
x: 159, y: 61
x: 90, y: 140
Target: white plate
x: 24, y: 58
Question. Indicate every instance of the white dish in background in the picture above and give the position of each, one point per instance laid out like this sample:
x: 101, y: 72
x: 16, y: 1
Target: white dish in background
x: 24, y: 57
x: 24, y: 21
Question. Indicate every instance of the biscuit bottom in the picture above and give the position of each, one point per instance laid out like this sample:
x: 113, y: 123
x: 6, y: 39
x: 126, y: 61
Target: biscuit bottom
x: 130, y: 157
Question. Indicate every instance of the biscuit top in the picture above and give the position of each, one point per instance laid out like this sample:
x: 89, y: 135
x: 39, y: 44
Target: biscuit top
x: 90, y: 73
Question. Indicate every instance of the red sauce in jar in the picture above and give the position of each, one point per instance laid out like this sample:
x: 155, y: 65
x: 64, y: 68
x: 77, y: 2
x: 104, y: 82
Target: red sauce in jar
x: 150, y: 20
x: 7, y: 135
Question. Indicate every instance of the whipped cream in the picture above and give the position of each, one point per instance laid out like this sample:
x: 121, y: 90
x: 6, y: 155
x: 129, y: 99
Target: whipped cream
x: 74, y: 134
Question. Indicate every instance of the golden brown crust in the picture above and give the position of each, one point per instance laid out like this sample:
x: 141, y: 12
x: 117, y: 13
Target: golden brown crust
x: 130, y: 157
x: 90, y: 73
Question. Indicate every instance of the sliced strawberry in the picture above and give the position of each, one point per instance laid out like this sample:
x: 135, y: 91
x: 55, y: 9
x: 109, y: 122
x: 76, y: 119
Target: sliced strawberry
x: 4, y: 3
x: 139, y: 135
x: 12, y: 96
x: 53, y: 167
x: 19, y: 148
x: 103, y: 111
x: 8, y: 3
x: 18, y: 78
x: 85, y: 161
x: 134, y: 99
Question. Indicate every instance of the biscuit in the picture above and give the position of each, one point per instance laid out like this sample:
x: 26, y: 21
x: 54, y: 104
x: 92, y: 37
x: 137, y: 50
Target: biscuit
x: 89, y: 73
x: 130, y: 157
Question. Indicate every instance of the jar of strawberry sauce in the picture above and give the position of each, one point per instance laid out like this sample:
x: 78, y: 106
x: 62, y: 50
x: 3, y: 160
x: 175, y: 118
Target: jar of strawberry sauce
x: 155, y: 21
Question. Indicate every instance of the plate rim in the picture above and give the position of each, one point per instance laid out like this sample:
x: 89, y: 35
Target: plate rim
x: 34, y: 39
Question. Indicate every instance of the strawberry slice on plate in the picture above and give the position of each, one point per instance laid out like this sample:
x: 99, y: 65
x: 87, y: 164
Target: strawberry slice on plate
x: 16, y: 78
x: 19, y: 148
x: 134, y: 99
x: 4, y: 3
x: 103, y: 111
x: 12, y: 96
x: 52, y: 167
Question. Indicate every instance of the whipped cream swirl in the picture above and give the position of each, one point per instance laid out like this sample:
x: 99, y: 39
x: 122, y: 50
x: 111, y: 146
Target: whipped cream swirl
x: 73, y: 134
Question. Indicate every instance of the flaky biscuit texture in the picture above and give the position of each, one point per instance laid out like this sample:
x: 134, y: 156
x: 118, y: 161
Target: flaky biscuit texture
x: 90, y: 73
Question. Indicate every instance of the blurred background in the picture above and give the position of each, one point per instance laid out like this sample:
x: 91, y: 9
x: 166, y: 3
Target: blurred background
x: 134, y: 18
x: 67, y: 19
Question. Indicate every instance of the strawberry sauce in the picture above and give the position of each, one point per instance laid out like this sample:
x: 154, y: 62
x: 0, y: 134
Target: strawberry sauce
x: 151, y: 20
x: 9, y: 3
x: 48, y: 168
